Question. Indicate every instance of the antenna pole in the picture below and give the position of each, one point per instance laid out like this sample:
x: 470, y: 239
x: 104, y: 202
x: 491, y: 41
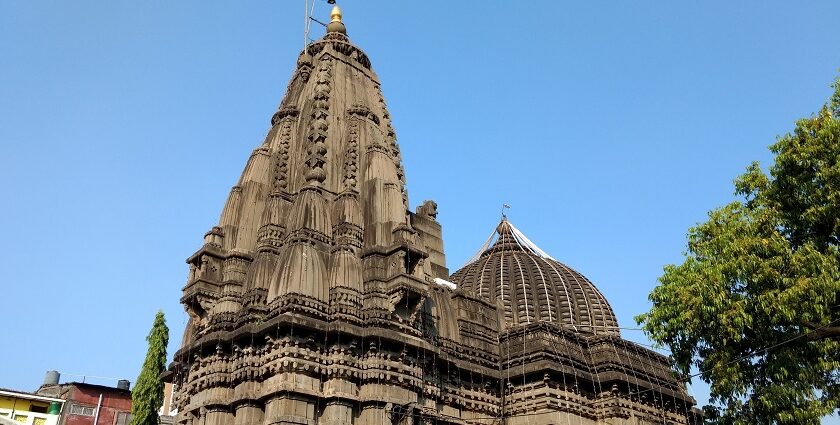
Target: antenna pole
x: 504, y: 207
x: 305, y: 20
x: 308, y: 10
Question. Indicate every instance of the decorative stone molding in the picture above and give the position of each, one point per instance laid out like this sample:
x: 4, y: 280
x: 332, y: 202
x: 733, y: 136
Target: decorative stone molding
x: 283, y: 113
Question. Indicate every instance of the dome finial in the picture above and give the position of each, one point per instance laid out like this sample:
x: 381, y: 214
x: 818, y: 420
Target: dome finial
x: 335, y: 24
x: 335, y: 15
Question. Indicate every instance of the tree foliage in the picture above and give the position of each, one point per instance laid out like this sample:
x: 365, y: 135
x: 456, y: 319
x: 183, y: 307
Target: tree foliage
x: 147, y: 396
x: 754, y: 306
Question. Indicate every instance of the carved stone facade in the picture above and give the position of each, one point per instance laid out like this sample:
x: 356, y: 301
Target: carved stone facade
x: 320, y: 299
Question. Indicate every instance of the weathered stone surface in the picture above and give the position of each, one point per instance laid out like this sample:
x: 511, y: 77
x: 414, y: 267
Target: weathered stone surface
x: 314, y: 300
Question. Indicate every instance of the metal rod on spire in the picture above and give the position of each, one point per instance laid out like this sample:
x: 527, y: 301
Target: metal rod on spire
x: 504, y: 206
x: 307, y: 15
x: 308, y: 10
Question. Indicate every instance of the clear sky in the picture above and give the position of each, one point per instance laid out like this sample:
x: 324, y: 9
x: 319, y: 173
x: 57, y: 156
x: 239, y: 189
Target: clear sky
x: 609, y: 127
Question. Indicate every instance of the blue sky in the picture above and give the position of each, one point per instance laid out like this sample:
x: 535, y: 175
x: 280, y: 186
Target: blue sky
x: 610, y: 128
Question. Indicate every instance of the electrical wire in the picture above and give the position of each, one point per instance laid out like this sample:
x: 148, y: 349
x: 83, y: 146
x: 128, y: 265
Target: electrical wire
x: 685, y: 379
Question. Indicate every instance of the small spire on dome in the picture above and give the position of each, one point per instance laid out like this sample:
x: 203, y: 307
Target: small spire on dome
x: 506, y: 234
x: 335, y: 24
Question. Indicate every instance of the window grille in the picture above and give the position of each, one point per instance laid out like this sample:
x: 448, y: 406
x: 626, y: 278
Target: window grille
x: 77, y: 409
x: 123, y: 418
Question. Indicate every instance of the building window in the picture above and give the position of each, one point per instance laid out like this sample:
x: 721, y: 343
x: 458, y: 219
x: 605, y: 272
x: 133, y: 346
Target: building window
x: 123, y: 418
x: 38, y: 409
x: 76, y: 409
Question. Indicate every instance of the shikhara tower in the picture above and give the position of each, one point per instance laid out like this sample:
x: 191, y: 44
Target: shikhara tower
x: 320, y: 299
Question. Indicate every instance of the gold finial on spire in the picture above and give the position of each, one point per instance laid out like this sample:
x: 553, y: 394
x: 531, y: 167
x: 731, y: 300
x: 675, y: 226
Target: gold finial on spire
x: 335, y: 15
x: 335, y: 24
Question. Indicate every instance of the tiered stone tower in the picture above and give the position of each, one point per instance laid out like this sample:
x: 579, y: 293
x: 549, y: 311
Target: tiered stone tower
x: 320, y: 299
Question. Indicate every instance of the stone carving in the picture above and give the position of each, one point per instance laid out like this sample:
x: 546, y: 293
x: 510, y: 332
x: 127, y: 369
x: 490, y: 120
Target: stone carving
x: 363, y: 111
x: 281, y: 161
x: 351, y: 156
x: 394, y: 149
x: 340, y: 44
x: 282, y: 113
x: 428, y: 209
x: 304, y: 66
x: 316, y: 154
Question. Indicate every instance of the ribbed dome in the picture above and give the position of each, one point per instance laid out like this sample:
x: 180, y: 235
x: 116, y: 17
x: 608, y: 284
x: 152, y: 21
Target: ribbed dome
x: 534, y: 287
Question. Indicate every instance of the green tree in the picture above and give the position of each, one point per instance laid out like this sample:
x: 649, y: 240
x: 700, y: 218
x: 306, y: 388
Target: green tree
x: 754, y: 306
x: 147, y: 396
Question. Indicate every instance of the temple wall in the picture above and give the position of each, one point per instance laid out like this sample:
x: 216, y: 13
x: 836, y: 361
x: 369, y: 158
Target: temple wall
x: 431, y: 234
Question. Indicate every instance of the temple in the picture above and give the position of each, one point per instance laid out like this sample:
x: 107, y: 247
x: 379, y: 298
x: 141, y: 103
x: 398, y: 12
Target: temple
x: 320, y: 298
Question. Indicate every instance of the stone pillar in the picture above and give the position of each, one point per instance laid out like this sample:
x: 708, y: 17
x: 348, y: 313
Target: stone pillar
x: 184, y: 418
x: 374, y: 414
x: 218, y: 415
x: 339, y: 394
x: 289, y: 409
x: 337, y: 412
x: 250, y: 413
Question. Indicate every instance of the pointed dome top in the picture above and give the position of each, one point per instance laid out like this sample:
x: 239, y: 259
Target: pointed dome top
x: 532, y: 286
x: 507, y: 236
x: 335, y: 24
x: 504, y: 227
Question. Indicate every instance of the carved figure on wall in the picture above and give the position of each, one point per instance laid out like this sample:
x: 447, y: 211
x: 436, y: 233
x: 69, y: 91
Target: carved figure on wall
x: 428, y: 209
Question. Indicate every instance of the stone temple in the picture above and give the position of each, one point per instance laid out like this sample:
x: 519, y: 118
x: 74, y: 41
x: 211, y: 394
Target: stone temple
x: 321, y: 299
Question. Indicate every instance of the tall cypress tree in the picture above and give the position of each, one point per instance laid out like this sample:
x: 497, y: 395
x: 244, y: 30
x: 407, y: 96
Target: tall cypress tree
x: 147, y: 396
